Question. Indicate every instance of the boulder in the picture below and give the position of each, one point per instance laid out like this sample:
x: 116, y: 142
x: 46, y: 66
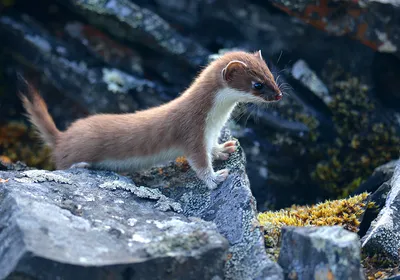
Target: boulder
x: 70, y: 224
x: 327, y: 252
x: 381, y: 174
x: 96, y: 87
x: 128, y: 21
x: 374, y: 23
x: 383, y: 236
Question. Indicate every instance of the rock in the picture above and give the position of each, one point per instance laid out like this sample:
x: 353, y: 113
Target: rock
x: 373, y: 23
x: 378, y: 184
x: 18, y: 166
x: 378, y: 199
x: 383, y: 237
x: 320, y: 253
x: 105, y: 48
x: 69, y: 224
x: 302, y: 72
x: 125, y: 58
x: 128, y: 21
x: 380, y: 175
x: 231, y: 207
x: 97, y: 89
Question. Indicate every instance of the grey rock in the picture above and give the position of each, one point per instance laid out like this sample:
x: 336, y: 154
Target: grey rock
x: 302, y: 72
x: 374, y: 23
x: 130, y: 22
x: 380, y: 175
x: 64, y: 65
x: 63, y: 224
x: 383, y: 236
x: 231, y: 207
x: 105, y: 48
x: 328, y: 252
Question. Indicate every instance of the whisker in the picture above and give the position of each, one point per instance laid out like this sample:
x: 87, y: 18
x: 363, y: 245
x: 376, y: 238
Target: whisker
x: 249, y: 115
x: 279, y: 58
x: 277, y: 79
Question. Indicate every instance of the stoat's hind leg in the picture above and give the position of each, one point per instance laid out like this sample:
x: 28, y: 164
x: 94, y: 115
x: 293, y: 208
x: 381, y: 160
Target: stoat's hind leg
x: 80, y: 165
x: 222, y: 151
x: 201, y: 163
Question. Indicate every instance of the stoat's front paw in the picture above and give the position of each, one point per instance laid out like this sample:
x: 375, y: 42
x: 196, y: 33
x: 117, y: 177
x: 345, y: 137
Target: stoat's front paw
x: 222, y: 151
x: 80, y: 165
x: 220, y: 176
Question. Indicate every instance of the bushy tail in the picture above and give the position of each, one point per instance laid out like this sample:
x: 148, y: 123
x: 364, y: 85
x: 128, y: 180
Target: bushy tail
x: 39, y: 116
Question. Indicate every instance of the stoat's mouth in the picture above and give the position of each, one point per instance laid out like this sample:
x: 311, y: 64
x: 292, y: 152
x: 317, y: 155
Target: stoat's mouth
x: 273, y: 98
x: 278, y: 97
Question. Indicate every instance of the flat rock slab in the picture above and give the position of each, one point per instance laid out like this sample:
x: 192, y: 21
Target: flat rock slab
x: 82, y: 224
x: 328, y: 252
x: 383, y: 236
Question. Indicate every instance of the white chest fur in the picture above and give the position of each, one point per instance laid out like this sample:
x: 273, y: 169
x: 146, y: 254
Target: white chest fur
x: 224, y: 103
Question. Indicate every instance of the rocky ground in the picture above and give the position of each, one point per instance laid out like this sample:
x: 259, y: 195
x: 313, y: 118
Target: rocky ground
x: 334, y: 135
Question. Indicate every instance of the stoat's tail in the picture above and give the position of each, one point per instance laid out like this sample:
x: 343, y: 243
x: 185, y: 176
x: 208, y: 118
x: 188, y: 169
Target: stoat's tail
x: 39, y: 116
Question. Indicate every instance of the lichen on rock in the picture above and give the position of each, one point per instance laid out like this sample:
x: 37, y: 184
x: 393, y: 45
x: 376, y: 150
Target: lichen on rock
x: 38, y: 176
x: 163, y: 203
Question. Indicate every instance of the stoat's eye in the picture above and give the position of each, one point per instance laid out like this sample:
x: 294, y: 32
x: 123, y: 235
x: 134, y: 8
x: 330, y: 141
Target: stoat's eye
x: 258, y: 86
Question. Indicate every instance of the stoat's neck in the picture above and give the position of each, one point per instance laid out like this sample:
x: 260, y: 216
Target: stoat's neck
x: 222, y: 106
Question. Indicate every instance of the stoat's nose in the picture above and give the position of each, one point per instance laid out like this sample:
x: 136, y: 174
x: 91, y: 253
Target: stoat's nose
x: 278, y: 96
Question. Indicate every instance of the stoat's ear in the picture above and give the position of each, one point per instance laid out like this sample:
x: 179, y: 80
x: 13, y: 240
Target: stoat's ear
x: 259, y: 55
x: 231, y: 67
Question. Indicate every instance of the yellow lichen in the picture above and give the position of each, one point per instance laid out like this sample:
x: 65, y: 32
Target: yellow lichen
x: 343, y: 212
x: 182, y: 163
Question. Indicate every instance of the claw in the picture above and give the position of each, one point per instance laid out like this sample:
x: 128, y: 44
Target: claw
x: 221, y: 175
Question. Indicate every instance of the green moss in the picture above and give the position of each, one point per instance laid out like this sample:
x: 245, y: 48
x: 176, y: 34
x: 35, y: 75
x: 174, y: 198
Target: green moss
x: 365, y: 137
x: 343, y: 212
x: 364, y: 142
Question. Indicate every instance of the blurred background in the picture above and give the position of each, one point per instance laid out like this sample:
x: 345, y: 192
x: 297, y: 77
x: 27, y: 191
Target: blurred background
x: 337, y: 60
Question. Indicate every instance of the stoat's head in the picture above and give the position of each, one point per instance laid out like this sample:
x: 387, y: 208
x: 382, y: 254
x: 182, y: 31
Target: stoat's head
x: 248, y: 74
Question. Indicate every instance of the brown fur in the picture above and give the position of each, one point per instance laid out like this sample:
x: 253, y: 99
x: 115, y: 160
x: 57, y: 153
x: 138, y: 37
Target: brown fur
x: 39, y: 116
x: 179, y: 123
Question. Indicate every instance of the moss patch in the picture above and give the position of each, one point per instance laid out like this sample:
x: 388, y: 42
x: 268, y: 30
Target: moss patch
x: 366, y: 137
x: 343, y: 212
x: 364, y: 140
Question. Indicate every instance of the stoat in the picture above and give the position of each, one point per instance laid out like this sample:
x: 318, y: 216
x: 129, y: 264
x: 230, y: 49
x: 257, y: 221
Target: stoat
x: 187, y: 126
